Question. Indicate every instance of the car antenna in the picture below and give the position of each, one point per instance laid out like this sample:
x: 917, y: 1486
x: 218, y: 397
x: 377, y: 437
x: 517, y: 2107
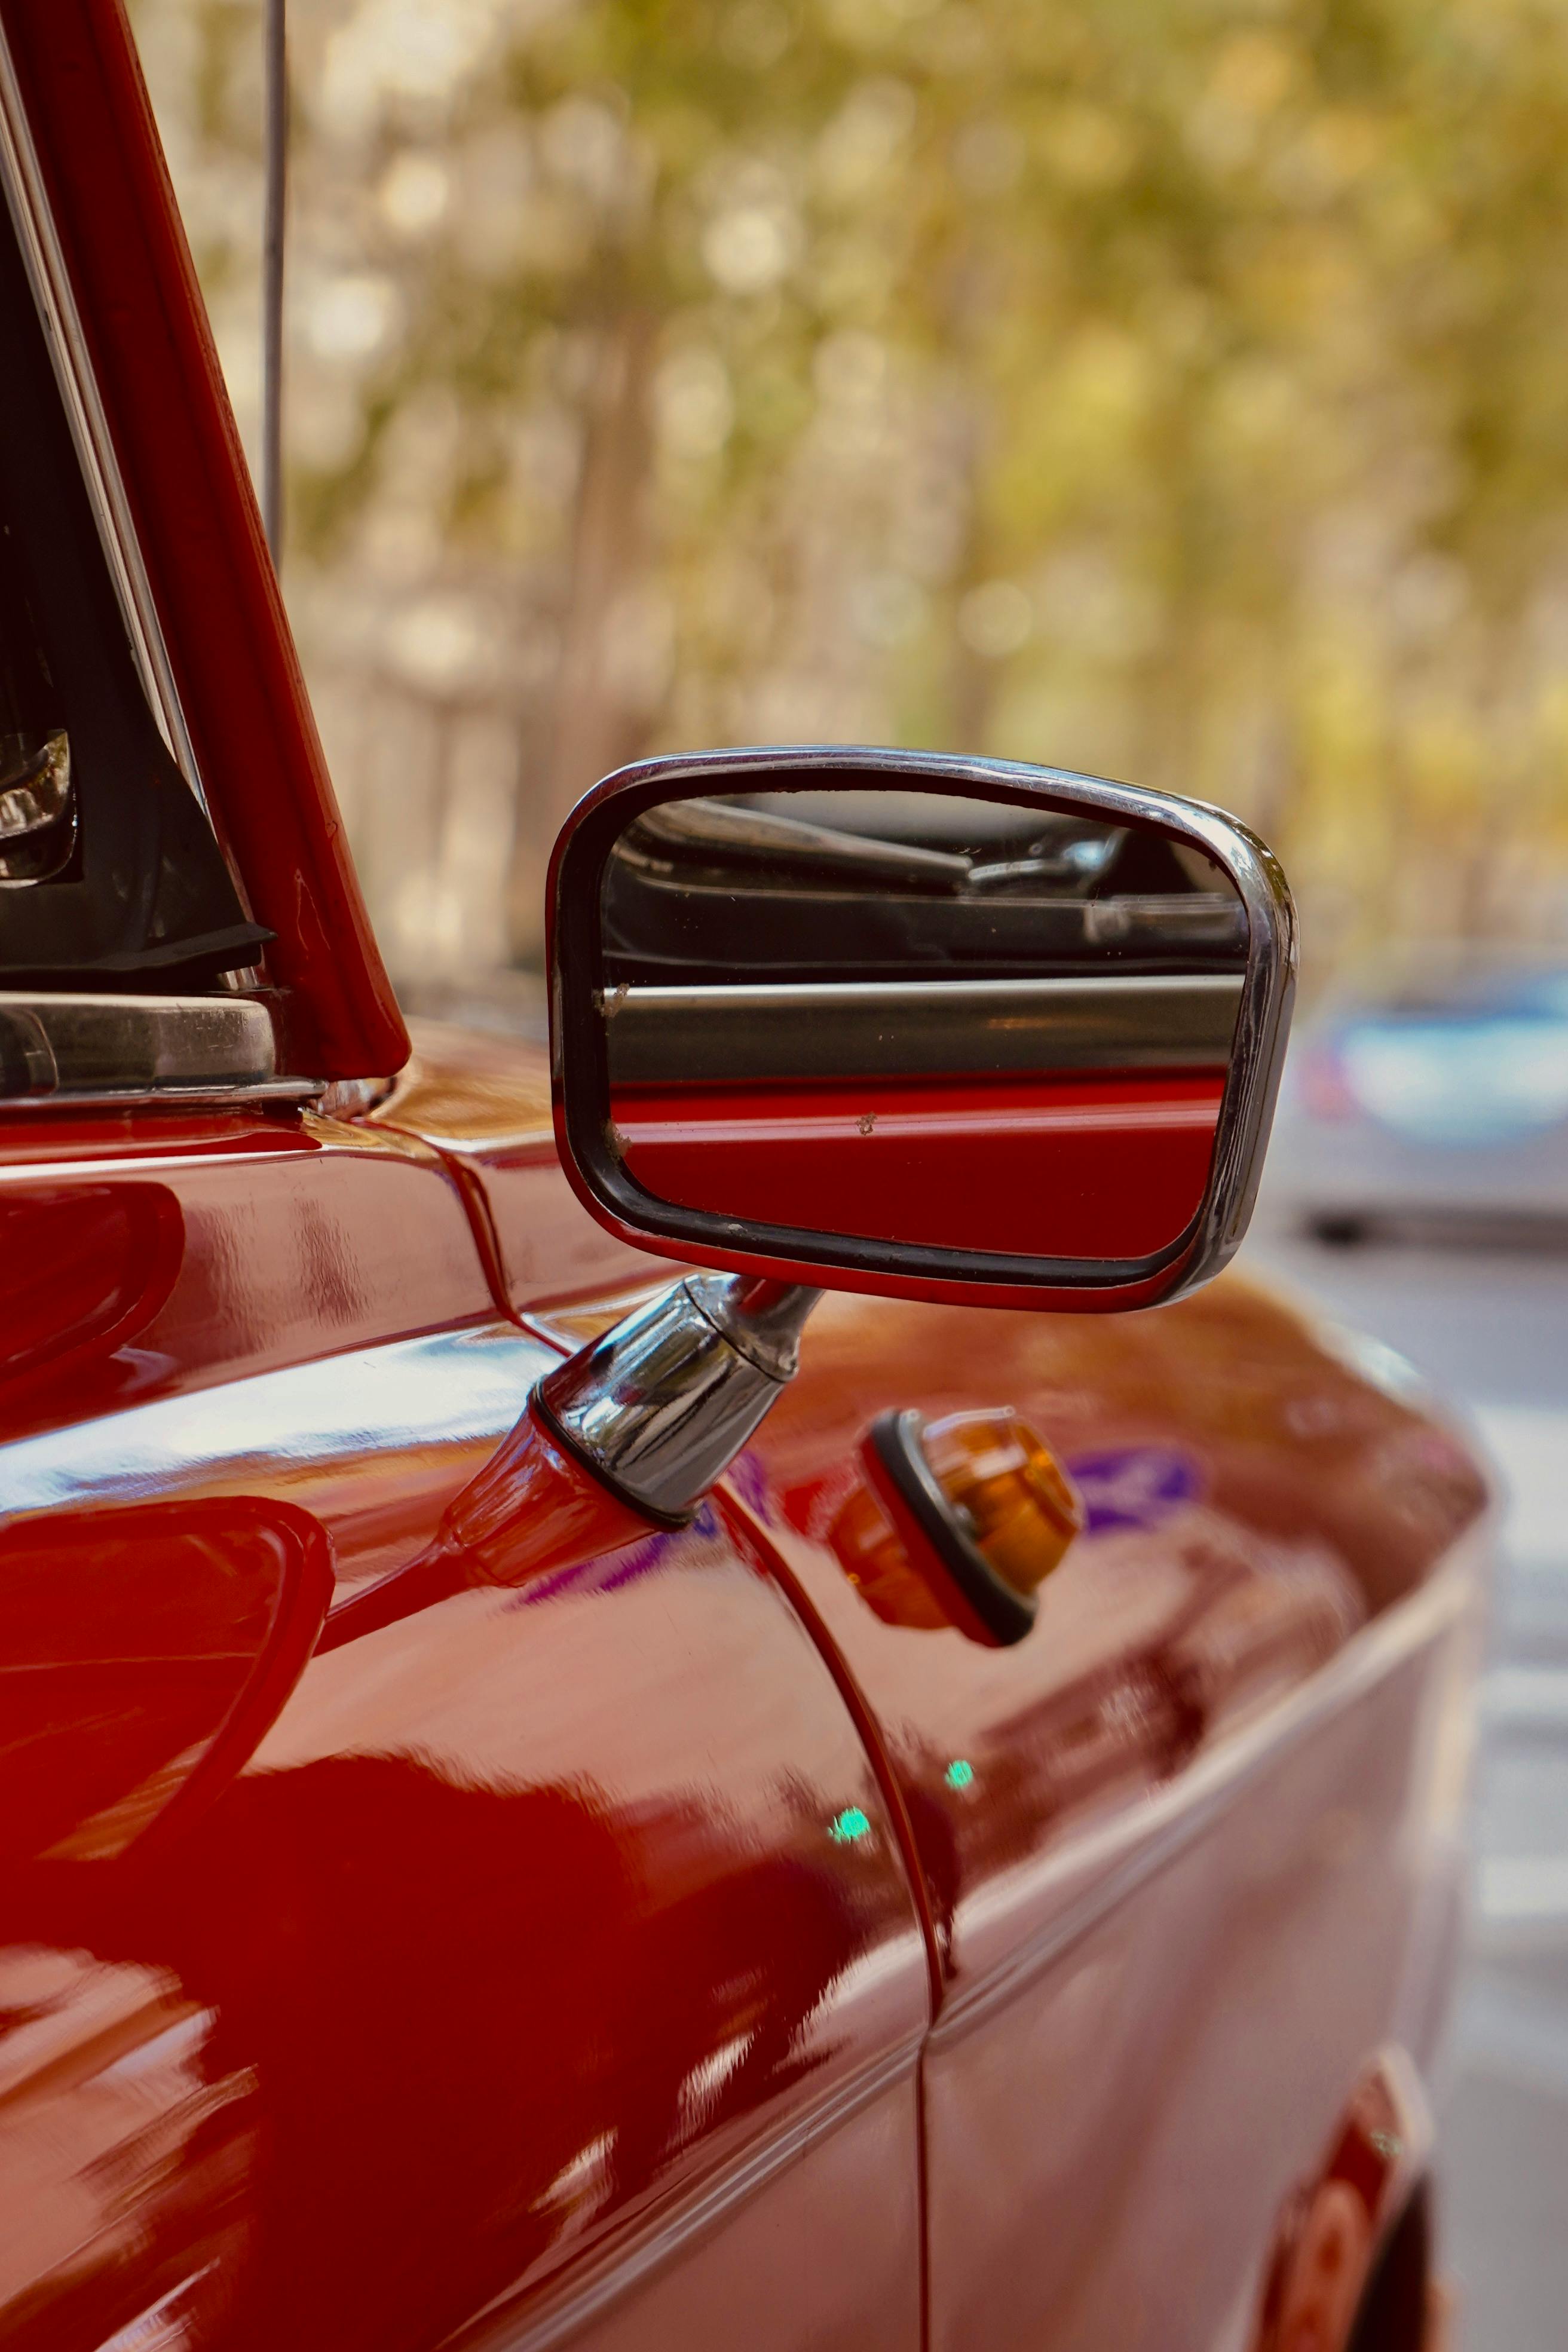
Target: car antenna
x: 277, y: 172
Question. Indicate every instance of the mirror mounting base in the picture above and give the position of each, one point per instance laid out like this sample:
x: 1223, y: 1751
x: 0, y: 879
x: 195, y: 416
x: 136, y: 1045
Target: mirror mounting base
x: 658, y: 1406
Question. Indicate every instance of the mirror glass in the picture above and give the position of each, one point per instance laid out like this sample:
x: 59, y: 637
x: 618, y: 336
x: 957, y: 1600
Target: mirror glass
x: 919, y: 1017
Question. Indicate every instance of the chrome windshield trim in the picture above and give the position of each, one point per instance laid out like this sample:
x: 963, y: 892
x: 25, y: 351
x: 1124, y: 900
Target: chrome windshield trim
x: 46, y: 268
x: 70, y: 1049
x: 921, y: 1027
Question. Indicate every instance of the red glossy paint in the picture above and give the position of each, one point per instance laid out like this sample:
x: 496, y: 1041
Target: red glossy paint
x: 553, y: 1924
x: 532, y: 1507
x: 556, y: 1935
x: 144, y: 1652
x: 1251, y: 1501
x: 483, y: 1103
x: 578, y: 1834
x: 617, y: 1934
x: 1145, y: 1898
x: 81, y: 1269
x: 199, y: 530
x: 187, y: 1251
x: 1087, y: 1167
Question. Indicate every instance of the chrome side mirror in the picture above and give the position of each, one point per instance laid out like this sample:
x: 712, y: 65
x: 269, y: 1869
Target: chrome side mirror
x: 937, y: 1028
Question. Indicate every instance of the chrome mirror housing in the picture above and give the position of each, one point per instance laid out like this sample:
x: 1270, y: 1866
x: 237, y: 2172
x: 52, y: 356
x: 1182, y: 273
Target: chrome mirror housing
x: 933, y: 1027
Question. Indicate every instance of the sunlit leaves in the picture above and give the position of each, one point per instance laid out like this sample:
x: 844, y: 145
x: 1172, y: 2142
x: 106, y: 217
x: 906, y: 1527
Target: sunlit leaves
x: 1180, y: 388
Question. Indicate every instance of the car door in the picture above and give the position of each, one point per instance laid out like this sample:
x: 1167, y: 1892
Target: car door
x: 511, y: 1959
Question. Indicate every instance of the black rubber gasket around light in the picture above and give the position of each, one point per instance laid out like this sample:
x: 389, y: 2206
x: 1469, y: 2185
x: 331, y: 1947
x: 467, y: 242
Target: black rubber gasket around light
x: 895, y: 1438
x: 580, y: 1045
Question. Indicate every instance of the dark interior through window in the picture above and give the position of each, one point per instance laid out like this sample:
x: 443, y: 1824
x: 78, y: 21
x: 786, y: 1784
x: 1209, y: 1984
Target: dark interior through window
x: 110, y: 877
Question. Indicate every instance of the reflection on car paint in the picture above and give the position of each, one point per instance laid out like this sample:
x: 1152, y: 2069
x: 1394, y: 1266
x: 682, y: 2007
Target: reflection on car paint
x: 1163, y: 1822
x: 83, y: 1270
x: 1322, y: 1500
x: 144, y: 1651
x: 127, y: 2151
x: 483, y: 1103
x: 223, y: 1249
x: 622, y: 1802
x: 1151, y: 1641
x: 1134, y: 1486
x: 585, y: 1889
x: 376, y: 1443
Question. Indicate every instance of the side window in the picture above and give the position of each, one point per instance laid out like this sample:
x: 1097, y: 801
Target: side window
x: 111, y: 880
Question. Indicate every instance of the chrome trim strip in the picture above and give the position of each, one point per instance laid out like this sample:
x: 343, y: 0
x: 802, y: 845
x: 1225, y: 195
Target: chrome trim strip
x: 72, y: 1048
x: 633, y: 2254
x: 45, y: 265
x: 215, y: 1096
x: 920, y: 1027
x: 1142, y: 1842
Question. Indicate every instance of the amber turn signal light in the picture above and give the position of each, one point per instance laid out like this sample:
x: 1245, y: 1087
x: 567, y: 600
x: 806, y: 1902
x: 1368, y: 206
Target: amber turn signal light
x: 1009, y: 1492
x: 958, y: 1524
x: 873, y: 1556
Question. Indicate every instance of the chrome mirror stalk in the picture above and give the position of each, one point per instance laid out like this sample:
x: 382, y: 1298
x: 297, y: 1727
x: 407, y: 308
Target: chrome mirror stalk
x: 658, y: 1406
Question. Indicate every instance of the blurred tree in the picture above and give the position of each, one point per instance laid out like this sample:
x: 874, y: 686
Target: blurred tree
x: 1174, y: 391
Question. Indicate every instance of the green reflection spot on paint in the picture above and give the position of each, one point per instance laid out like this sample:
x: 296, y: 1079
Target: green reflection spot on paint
x: 850, y: 1824
x: 959, y: 1773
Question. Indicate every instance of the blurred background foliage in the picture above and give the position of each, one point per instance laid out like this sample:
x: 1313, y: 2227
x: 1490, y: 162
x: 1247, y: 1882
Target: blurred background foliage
x: 1176, y: 389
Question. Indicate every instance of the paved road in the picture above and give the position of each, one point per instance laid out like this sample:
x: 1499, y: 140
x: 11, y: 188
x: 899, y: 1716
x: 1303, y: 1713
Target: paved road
x: 1491, y: 1327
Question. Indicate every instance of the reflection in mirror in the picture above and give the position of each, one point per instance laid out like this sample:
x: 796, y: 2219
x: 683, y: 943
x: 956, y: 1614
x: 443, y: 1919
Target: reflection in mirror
x: 920, y: 1017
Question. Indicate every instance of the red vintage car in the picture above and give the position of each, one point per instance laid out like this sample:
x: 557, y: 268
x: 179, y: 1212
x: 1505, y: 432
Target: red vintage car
x: 525, y: 1818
